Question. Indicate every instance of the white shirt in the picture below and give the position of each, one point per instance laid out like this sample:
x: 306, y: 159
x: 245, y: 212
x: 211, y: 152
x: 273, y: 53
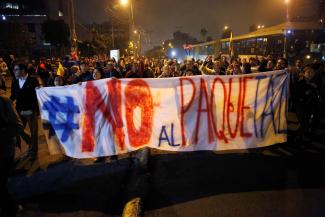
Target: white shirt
x: 22, y: 81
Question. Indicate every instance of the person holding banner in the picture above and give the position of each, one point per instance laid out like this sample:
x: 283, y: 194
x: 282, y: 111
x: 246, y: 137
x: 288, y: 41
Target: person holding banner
x: 23, y: 92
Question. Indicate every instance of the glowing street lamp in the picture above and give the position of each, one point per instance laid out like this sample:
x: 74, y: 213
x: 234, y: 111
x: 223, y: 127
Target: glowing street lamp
x: 287, y: 2
x: 135, y: 32
x: 226, y: 27
x: 260, y: 27
x: 124, y: 2
x: 173, y: 53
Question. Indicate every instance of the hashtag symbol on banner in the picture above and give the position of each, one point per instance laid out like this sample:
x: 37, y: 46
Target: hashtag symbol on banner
x: 56, y: 109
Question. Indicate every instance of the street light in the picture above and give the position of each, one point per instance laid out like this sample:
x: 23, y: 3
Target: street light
x: 129, y: 3
x: 124, y: 2
x: 287, y: 2
x: 173, y: 53
x: 226, y: 27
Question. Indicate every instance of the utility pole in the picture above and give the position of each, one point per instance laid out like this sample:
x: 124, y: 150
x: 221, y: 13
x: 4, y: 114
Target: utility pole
x: 113, y: 36
x: 72, y: 25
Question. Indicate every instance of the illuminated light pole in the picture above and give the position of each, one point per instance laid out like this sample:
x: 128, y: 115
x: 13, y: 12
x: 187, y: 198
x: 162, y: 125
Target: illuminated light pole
x: 72, y: 25
x: 125, y: 3
x: 136, y: 32
x: 226, y: 29
x: 287, y: 2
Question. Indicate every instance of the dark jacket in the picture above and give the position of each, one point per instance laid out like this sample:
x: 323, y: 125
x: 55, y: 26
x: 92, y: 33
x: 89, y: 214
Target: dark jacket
x: 25, y: 97
x: 3, y: 85
x: 10, y: 126
x: 113, y: 73
x: 86, y: 76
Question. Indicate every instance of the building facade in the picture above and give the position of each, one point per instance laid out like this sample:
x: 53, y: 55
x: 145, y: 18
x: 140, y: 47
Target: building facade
x: 21, y: 25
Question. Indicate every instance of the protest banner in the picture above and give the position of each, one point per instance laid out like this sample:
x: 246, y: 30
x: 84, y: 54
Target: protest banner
x: 109, y: 117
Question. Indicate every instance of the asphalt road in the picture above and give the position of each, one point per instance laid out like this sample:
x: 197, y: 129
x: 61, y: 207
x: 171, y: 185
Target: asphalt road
x: 275, y: 181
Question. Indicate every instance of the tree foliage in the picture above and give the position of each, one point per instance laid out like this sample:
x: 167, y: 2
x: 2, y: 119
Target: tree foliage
x: 155, y: 52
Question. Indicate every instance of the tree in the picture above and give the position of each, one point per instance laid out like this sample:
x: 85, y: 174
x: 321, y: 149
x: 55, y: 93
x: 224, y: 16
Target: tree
x: 155, y: 52
x: 203, y: 33
x: 101, y: 42
x: 181, y: 38
x: 56, y: 32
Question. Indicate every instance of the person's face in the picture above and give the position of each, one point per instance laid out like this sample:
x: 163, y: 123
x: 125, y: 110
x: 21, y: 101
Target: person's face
x: 236, y: 68
x: 172, y: 68
x: 280, y: 64
x: 82, y: 68
x: 298, y: 64
x: 189, y: 73
x: 122, y: 63
x: 58, y: 81
x: 135, y: 67
x: 18, y: 73
x: 86, y: 68
x: 270, y: 65
x: 110, y: 67
x: 190, y: 64
x: 97, y: 75
x: 308, y: 73
x: 217, y: 65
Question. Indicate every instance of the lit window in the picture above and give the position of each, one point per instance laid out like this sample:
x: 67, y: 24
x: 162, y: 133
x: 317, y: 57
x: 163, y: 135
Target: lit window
x: 60, y: 14
x: 11, y: 6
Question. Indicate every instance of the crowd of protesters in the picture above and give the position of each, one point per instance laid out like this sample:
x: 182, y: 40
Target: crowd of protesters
x: 307, y: 86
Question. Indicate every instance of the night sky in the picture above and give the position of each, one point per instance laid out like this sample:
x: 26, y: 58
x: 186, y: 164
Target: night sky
x: 163, y: 17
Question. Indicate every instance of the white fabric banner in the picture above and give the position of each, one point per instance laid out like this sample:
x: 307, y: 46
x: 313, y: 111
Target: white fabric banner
x: 109, y: 117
